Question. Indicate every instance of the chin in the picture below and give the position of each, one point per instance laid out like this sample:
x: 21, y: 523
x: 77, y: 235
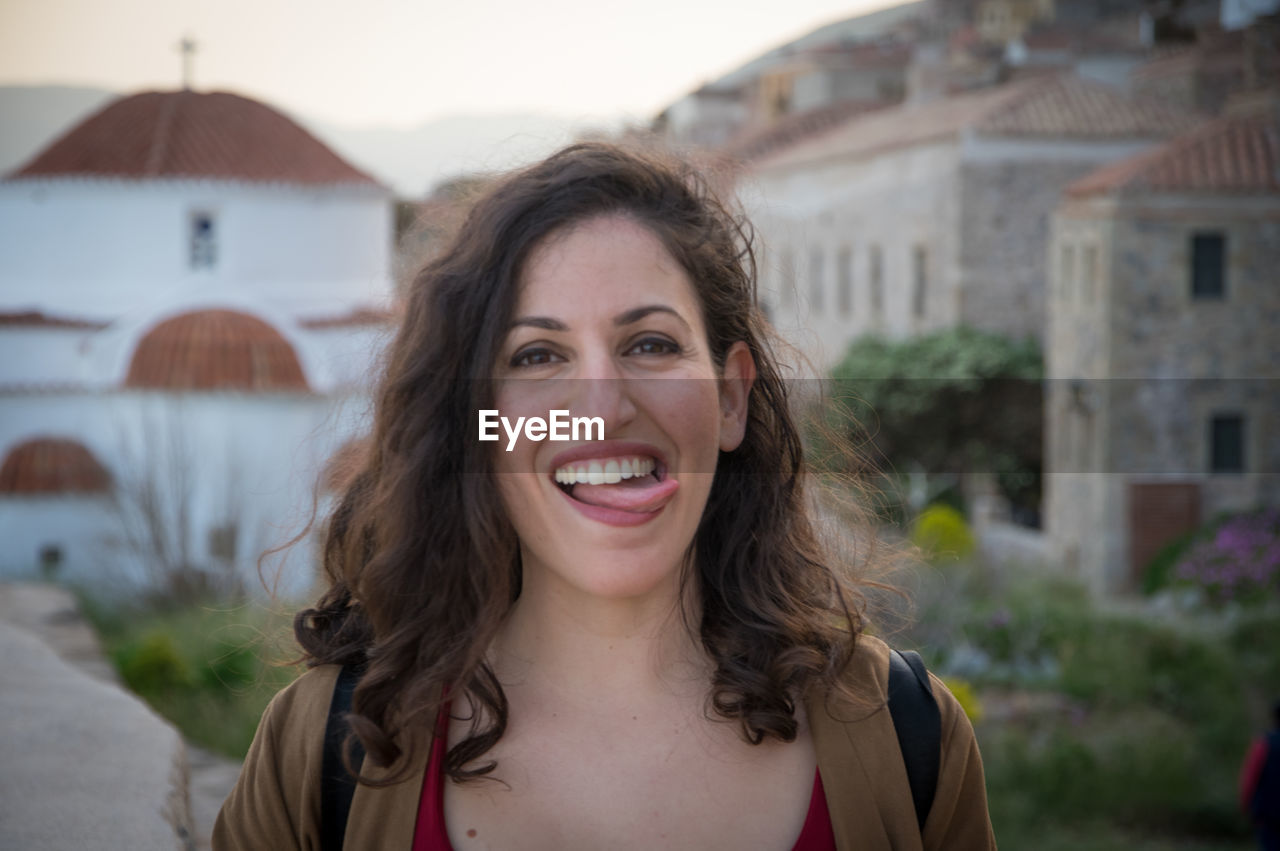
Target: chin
x: 611, y: 575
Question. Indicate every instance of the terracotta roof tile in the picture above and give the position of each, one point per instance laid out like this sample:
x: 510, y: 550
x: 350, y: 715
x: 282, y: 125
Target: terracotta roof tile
x: 215, y: 350
x: 354, y: 318
x: 188, y: 134
x: 1051, y: 106
x: 48, y: 465
x: 795, y: 128
x: 1236, y: 154
x: 1067, y: 107
x: 893, y: 128
x: 37, y: 319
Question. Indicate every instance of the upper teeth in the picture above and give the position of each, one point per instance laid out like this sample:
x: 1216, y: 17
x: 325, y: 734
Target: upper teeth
x: 604, y: 471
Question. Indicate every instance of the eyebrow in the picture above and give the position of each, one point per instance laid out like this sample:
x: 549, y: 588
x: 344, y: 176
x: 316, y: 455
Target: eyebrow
x: 638, y: 313
x: 626, y: 318
x: 544, y: 322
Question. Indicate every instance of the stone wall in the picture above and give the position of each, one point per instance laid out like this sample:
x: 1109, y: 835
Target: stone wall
x: 1078, y: 501
x: 891, y: 205
x: 1138, y: 367
x: 977, y: 211
x: 1198, y: 357
x: 1008, y: 192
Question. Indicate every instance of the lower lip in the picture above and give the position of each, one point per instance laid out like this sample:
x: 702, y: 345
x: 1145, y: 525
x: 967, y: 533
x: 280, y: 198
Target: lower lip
x: 612, y: 516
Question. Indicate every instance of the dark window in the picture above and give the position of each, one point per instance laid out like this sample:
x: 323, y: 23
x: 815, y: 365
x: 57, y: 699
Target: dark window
x: 222, y: 542
x: 920, y: 283
x: 1226, y: 443
x: 50, y: 561
x: 877, y: 280
x: 844, y: 295
x: 1208, y: 265
x: 204, y: 241
x: 817, y: 288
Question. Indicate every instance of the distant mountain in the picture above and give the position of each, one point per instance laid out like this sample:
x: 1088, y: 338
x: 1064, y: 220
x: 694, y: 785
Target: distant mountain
x: 413, y: 160
x: 409, y: 160
x: 33, y: 116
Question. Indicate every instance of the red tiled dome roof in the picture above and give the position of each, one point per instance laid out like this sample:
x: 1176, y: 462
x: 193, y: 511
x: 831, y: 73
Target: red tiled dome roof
x: 52, y: 465
x: 192, y: 134
x: 215, y: 350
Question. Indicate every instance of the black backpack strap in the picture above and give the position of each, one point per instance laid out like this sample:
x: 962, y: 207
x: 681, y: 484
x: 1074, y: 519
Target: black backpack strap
x: 919, y: 726
x: 337, y: 786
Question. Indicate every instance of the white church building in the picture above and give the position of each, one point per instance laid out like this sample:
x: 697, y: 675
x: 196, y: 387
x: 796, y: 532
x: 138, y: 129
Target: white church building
x: 193, y: 293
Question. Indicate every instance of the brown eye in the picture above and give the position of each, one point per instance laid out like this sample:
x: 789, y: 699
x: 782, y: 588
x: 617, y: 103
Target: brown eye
x: 655, y: 346
x: 533, y: 357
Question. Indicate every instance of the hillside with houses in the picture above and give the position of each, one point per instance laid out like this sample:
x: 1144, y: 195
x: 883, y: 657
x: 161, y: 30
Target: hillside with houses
x: 1099, y: 177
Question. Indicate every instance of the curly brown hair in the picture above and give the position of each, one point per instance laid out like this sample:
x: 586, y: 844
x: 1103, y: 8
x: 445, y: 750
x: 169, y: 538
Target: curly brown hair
x: 425, y: 565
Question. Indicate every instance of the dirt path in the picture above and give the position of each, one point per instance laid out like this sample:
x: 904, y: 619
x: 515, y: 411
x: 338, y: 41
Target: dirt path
x: 52, y: 614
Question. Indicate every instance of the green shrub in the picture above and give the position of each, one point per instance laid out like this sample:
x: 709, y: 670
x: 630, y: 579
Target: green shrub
x: 151, y: 665
x: 1052, y: 771
x: 209, y: 669
x: 1126, y: 662
x: 1032, y: 625
x: 1255, y: 654
x: 1137, y: 741
x: 1140, y: 768
x: 953, y: 399
x: 942, y: 534
x: 232, y: 667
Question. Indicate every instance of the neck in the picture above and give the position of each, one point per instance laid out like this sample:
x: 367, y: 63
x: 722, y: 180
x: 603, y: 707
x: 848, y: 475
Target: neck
x: 591, y: 650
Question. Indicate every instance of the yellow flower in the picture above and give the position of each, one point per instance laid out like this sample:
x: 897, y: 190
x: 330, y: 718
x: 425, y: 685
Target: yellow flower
x: 967, y: 697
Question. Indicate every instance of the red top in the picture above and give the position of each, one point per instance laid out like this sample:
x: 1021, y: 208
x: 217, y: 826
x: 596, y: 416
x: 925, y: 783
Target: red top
x: 1251, y: 771
x: 431, y: 834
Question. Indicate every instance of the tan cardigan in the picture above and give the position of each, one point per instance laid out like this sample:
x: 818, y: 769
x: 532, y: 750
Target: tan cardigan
x: 276, y: 802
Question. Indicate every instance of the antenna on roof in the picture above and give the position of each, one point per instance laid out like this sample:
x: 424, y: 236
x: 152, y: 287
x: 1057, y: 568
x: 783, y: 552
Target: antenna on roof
x: 187, y: 47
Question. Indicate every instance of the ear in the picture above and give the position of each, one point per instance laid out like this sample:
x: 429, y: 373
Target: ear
x: 736, y: 380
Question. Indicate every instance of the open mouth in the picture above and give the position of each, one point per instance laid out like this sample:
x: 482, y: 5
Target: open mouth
x: 635, y: 483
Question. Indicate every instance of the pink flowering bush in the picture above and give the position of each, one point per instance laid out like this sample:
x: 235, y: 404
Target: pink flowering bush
x: 1240, y: 562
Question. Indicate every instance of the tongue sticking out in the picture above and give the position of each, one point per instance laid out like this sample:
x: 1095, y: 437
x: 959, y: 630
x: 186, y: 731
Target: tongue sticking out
x: 644, y: 493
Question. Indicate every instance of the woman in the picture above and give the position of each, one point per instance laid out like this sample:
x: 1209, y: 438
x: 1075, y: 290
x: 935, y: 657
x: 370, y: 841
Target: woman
x: 626, y: 642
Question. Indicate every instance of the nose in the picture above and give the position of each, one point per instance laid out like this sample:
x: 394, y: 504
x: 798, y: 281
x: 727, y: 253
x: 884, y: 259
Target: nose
x: 603, y: 390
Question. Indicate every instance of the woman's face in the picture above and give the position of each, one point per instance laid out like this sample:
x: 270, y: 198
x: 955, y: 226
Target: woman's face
x: 607, y: 325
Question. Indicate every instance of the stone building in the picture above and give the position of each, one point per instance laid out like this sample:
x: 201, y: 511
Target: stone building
x: 1203, y: 75
x: 191, y: 286
x: 862, y: 59
x: 928, y: 215
x: 1163, y: 345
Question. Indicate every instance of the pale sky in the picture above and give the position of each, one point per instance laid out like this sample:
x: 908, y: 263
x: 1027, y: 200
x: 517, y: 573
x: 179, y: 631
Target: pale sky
x: 400, y: 62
